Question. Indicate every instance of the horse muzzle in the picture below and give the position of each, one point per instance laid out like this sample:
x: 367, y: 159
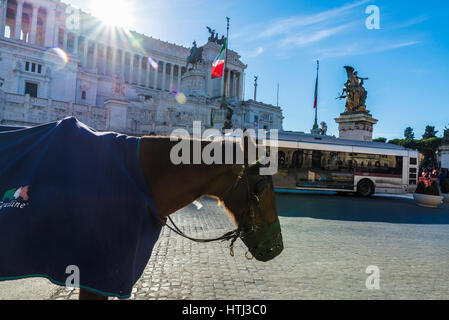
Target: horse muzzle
x: 265, y: 243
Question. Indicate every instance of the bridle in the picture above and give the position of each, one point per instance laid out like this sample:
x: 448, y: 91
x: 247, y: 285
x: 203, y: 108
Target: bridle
x: 253, y: 234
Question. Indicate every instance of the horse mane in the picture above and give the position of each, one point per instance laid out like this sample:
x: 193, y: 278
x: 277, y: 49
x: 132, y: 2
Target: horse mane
x: 174, y: 186
x: 227, y: 145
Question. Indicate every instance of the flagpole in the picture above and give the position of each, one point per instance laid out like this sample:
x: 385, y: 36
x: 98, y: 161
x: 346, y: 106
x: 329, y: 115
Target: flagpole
x: 315, y: 125
x: 228, y: 121
x: 225, y: 73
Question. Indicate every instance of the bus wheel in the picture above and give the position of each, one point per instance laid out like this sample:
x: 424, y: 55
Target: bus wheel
x: 365, y: 188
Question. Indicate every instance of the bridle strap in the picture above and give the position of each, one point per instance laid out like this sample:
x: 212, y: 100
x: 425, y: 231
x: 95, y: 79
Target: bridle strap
x: 231, y: 235
x: 227, y: 236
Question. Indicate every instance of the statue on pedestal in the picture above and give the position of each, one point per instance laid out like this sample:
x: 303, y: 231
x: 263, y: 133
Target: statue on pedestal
x: 323, y: 128
x: 196, y: 56
x: 118, y: 86
x: 355, y: 92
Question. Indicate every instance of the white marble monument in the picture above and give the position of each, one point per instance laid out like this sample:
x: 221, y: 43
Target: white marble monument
x: 356, y: 126
x: 356, y: 123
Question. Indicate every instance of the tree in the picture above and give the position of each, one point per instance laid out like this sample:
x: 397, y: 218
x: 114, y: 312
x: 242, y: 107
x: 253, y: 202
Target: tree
x: 429, y: 132
x: 395, y: 141
x: 429, y: 147
x: 380, y: 139
x: 408, y: 133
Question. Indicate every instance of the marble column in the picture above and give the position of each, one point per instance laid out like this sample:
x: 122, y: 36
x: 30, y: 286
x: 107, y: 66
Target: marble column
x: 172, y: 70
x: 105, y: 59
x: 75, y: 44
x: 156, y: 71
x: 94, y: 62
x: 239, y: 86
x: 34, y: 23
x: 86, y: 52
x: 131, y: 67
x: 114, y: 61
x: 139, y: 70
x: 179, y: 77
x: 147, y: 78
x: 234, y: 86
x: 164, y: 72
x: 56, y: 37
x: 242, y: 86
x: 122, y: 65
x: 18, y: 26
x: 64, y: 43
x: 3, y: 6
x: 50, y: 27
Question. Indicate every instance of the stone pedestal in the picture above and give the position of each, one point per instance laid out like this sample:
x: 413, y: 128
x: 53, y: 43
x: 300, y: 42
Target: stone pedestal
x: 117, y: 113
x: 193, y: 82
x: 356, y: 126
x: 443, y: 157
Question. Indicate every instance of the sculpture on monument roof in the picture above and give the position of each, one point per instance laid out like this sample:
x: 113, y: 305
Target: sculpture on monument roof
x: 354, y: 92
x: 323, y: 128
x: 214, y: 37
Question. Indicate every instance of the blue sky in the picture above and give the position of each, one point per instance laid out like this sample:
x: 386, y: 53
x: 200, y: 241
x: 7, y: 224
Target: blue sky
x: 406, y: 60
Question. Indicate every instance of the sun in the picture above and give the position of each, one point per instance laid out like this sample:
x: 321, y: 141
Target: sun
x: 113, y: 12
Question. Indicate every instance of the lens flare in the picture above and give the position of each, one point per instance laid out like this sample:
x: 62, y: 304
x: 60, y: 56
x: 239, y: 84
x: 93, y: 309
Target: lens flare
x: 179, y: 96
x: 136, y: 42
x: 57, y: 57
x: 153, y: 63
x: 114, y: 13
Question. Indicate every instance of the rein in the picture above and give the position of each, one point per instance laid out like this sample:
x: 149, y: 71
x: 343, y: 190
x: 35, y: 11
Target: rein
x: 239, y: 232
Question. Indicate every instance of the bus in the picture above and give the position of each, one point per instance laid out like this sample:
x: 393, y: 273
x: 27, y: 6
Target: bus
x: 319, y: 162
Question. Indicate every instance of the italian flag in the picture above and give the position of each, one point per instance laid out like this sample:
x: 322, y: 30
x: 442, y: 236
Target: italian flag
x: 218, y: 65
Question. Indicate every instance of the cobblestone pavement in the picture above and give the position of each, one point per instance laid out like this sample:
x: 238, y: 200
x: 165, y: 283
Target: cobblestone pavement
x: 325, y: 255
x: 329, y: 242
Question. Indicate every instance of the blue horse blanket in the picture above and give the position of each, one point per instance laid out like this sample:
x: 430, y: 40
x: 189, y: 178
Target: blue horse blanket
x: 72, y: 199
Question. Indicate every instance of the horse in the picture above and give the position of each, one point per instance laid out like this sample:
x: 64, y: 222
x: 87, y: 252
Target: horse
x: 248, y: 197
x: 195, y: 56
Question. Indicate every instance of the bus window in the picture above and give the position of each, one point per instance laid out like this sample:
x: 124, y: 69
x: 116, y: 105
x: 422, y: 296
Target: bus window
x: 316, y: 159
x: 386, y: 165
x: 281, y: 160
x: 297, y: 159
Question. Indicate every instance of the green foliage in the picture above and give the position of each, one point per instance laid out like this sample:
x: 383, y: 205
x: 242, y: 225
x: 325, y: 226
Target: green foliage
x: 395, y: 141
x: 408, y: 133
x: 429, y: 132
x: 427, y: 147
x: 380, y: 139
x: 421, y: 188
x: 444, y: 186
x: 410, y: 144
x: 432, y: 190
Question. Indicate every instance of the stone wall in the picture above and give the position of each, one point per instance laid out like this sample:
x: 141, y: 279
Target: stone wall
x: 27, y: 111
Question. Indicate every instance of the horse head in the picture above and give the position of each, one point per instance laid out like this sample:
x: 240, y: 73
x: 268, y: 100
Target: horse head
x: 251, y: 204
